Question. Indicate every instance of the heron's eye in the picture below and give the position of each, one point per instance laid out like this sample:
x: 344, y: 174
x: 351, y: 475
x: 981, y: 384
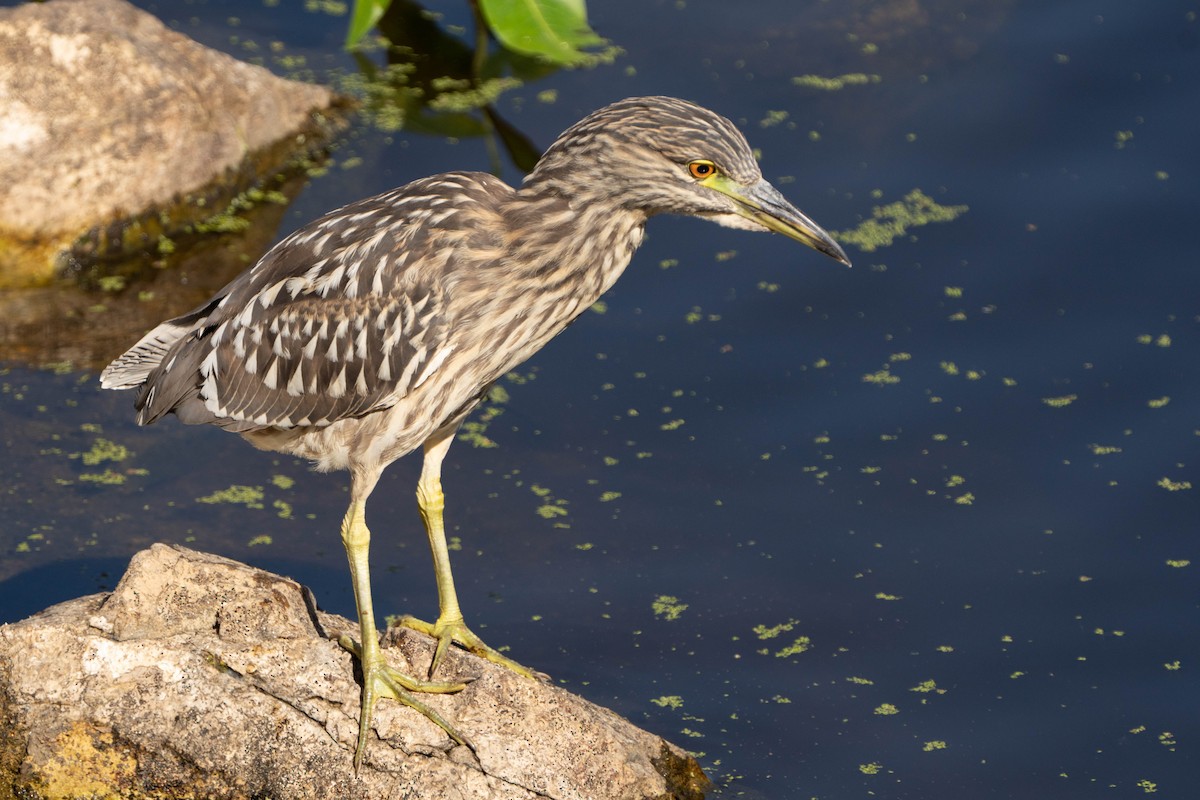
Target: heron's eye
x: 702, y: 169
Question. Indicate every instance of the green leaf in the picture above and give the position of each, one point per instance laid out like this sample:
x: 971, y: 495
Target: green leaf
x: 364, y: 17
x: 556, y: 30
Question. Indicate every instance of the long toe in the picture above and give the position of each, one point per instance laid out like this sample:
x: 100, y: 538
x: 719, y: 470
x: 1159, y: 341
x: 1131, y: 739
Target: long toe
x: 382, y: 680
x: 456, y: 631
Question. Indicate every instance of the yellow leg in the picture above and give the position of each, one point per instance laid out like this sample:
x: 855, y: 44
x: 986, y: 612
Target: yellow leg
x: 379, y: 679
x: 450, y: 626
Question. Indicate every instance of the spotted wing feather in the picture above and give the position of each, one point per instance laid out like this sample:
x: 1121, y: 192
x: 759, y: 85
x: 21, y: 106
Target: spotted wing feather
x: 314, y: 361
x: 342, y: 318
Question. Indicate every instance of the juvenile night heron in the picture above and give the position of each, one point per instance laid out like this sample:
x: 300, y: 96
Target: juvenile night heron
x: 377, y: 328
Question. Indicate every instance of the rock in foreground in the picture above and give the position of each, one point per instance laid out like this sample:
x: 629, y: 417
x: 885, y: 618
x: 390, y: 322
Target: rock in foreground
x: 202, y: 677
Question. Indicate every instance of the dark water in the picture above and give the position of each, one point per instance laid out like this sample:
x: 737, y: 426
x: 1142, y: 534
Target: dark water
x: 965, y: 470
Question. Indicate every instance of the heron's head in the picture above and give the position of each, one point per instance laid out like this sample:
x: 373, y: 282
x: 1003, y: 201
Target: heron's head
x: 664, y: 155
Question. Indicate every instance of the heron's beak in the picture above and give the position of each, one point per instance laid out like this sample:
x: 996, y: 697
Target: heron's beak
x: 762, y: 203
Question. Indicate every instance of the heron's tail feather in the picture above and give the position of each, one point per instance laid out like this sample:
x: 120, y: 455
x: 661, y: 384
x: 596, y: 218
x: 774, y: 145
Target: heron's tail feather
x: 131, y: 369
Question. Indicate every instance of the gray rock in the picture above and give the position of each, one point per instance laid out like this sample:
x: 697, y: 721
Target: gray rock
x: 202, y: 677
x: 106, y: 115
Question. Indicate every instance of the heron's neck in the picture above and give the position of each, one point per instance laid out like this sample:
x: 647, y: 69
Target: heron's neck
x: 573, y: 240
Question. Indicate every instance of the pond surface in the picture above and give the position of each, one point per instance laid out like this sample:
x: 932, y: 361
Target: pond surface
x: 924, y: 528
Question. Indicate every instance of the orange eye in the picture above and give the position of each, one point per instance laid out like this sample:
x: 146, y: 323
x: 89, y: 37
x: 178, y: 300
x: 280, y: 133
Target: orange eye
x: 702, y: 169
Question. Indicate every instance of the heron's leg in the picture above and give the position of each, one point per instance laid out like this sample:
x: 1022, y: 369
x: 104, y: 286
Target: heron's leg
x: 450, y: 626
x: 379, y: 679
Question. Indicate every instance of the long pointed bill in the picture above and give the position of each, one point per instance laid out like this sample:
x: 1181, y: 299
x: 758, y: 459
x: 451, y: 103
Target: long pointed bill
x: 762, y: 203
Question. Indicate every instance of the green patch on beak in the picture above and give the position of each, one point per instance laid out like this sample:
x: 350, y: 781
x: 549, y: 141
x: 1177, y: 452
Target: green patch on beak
x: 764, y: 205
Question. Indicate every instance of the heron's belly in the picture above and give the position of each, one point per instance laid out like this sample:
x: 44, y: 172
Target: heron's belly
x: 380, y: 437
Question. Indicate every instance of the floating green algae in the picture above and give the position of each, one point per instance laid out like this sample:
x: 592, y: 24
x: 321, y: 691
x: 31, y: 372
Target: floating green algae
x: 763, y: 632
x: 103, y: 450
x: 891, y: 221
x: 835, y: 83
x: 1060, y: 402
x: 801, y: 645
x: 249, y: 496
x: 668, y: 607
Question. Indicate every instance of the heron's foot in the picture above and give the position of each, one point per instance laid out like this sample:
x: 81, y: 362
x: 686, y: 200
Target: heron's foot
x: 382, y: 680
x: 455, y: 630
